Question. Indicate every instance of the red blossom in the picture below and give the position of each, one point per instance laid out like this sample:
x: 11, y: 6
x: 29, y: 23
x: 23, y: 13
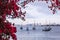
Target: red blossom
x: 8, y: 7
x: 13, y: 36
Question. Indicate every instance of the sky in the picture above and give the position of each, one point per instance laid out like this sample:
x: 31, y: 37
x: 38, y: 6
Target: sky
x: 38, y: 12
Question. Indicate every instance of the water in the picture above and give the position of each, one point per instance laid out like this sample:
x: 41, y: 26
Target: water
x: 38, y: 34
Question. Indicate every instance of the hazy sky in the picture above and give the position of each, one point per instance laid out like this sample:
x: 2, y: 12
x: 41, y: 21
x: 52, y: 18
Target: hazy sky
x: 38, y: 12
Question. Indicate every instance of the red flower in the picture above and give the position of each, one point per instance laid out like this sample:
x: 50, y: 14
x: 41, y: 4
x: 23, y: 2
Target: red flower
x: 0, y: 31
x: 13, y: 30
x: 13, y: 36
x: 6, y: 7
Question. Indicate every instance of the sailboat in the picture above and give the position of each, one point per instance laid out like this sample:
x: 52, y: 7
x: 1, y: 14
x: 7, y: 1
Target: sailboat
x: 34, y: 27
x: 47, y: 28
x: 27, y: 29
x: 21, y: 27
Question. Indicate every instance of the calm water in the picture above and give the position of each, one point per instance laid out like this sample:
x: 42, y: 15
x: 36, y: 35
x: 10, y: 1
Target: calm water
x: 38, y: 34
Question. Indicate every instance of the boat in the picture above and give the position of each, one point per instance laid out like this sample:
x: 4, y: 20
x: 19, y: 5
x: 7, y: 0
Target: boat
x: 27, y: 29
x: 21, y: 28
x: 34, y: 28
x: 46, y: 29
